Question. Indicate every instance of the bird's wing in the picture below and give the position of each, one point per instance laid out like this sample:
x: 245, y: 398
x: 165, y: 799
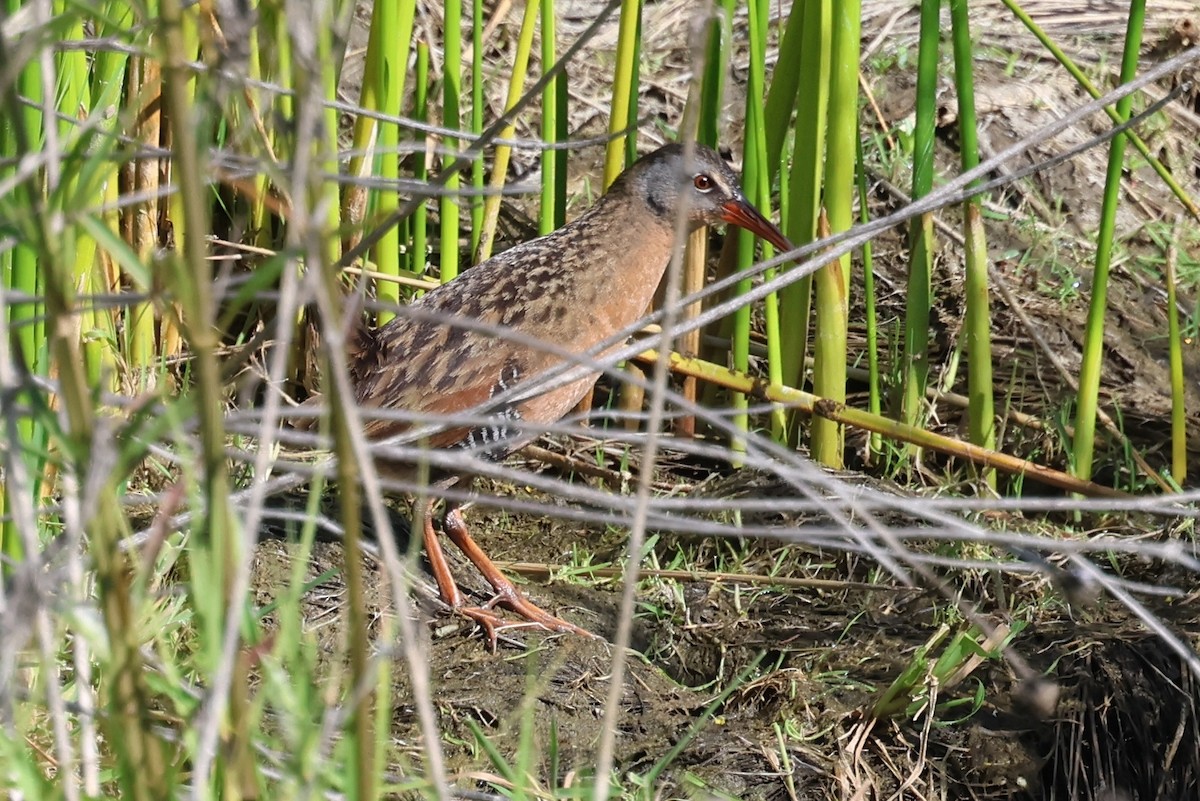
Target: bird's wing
x: 422, y: 362
x: 431, y: 368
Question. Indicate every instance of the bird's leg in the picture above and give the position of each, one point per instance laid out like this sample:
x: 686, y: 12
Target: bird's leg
x: 491, y: 621
x: 448, y: 589
x: 507, y: 594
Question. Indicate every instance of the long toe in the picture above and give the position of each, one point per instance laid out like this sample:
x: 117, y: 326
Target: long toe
x: 514, y: 600
x: 491, y: 622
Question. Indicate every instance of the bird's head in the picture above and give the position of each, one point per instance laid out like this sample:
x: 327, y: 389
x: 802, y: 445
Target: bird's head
x: 669, y: 177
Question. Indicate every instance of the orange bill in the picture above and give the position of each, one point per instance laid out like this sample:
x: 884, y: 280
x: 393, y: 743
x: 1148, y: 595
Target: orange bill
x: 743, y: 215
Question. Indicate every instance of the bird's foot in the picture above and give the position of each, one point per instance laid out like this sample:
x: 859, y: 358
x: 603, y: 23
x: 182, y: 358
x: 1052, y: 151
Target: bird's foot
x: 508, y: 596
x: 493, y: 623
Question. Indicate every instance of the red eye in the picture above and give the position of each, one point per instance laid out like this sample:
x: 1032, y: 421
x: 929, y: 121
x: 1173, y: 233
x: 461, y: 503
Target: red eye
x: 703, y: 183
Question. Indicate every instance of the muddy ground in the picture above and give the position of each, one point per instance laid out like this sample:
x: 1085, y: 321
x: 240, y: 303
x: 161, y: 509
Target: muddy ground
x: 799, y: 724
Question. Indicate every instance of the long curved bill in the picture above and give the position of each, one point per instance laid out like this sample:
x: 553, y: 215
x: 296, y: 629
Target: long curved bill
x: 743, y: 215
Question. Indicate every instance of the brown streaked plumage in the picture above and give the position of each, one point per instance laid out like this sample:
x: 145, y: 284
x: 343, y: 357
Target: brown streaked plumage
x: 574, y: 288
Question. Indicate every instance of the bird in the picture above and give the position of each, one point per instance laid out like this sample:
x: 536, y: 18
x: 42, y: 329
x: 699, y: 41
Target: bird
x: 574, y: 287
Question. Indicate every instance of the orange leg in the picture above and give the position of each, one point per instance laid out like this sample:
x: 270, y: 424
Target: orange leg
x: 507, y: 595
x: 437, y: 559
x: 490, y: 621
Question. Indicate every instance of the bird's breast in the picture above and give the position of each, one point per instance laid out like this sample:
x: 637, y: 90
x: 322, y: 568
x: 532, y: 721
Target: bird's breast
x: 620, y: 283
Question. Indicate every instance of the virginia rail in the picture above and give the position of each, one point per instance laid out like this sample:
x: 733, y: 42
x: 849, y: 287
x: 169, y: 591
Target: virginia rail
x: 575, y: 288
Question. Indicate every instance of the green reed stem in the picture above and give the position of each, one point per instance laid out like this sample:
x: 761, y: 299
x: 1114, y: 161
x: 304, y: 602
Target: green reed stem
x: 740, y: 332
x: 782, y: 94
x: 478, y: 173
x: 1093, y: 345
x: 448, y: 206
x: 635, y: 80
x: 622, y: 150
x: 516, y: 85
x: 874, y: 393
x: 552, y: 202
x: 395, y: 21
x: 144, y: 89
x: 758, y: 189
x: 915, y: 364
x: 214, y: 534
x: 832, y: 282
x: 716, y: 62
x: 562, y: 113
x: 41, y: 206
x: 24, y: 316
x: 74, y: 99
x: 22, y: 125
x: 981, y: 411
x: 170, y: 343
x: 362, y: 779
x: 695, y: 267
x: 981, y: 404
x: 259, y: 69
x: 622, y: 89
x: 804, y: 183
x: 1179, y: 444
x: 104, y: 352
x: 420, y: 219
x: 364, y: 139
